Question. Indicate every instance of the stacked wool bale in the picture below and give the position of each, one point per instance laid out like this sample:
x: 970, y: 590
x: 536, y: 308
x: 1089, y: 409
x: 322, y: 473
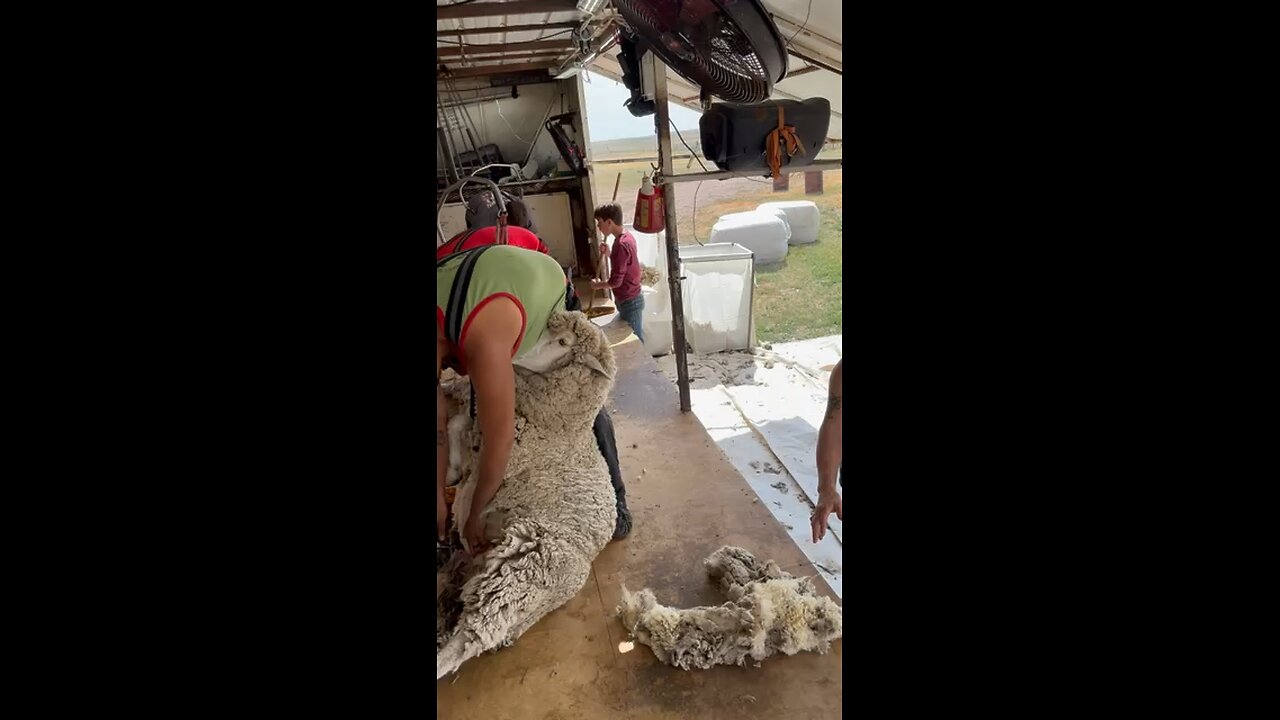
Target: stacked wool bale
x: 763, y: 233
x: 802, y: 217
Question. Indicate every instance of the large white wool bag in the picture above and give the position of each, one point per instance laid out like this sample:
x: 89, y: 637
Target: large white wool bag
x: 764, y: 234
x: 803, y: 217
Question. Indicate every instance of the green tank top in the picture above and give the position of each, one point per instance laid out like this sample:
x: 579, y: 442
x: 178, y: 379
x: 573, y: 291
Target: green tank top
x: 534, y: 280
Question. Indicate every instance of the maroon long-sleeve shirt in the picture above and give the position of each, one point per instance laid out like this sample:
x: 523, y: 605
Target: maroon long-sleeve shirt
x: 625, y: 278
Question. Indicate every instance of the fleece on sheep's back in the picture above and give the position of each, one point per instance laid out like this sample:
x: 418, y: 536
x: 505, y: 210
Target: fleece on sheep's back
x: 555, y: 510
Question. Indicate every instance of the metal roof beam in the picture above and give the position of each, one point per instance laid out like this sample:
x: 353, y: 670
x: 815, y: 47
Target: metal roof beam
x: 491, y: 48
x: 495, y: 9
x: 497, y: 69
x: 507, y: 28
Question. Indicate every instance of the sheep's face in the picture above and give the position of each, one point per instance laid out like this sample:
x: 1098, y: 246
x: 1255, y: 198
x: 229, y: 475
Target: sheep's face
x: 552, y: 351
x: 570, y: 336
x: 564, y: 380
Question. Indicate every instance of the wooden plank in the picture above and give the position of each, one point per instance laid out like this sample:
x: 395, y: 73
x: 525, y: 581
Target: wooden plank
x: 507, y: 29
x: 494, y: 9
x: 499, y: 69
x: 813, y: 183
x: 662, y: 122
x: 492, y: 48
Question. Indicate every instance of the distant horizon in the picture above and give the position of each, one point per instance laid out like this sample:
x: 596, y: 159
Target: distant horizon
x: 609, y: 120
x: 654, y: 138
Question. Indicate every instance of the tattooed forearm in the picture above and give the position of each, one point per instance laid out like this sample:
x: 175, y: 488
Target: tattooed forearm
x: 833, y: 407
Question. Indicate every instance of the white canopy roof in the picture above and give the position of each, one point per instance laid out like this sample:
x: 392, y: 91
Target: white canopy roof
x: 533, y: 35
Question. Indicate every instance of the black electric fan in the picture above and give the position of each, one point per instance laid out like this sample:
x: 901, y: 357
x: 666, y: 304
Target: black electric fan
x: 728, y: 48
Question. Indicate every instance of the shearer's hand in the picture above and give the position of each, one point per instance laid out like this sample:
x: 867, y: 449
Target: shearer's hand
x: 828, y: 502
x: 473, y: 533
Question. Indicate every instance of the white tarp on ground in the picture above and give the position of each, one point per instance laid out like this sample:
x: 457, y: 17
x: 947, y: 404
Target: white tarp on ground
x: 764, y: 409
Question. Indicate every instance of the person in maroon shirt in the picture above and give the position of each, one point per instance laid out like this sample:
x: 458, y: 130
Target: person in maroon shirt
x: 625, y: 278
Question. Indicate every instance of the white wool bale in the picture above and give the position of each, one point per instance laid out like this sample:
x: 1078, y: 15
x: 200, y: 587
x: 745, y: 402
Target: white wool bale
x: 803, y: 217
x: 764, y: 234
x: 657, y: 302
x: 780, y: 213
x: 651, y: 251
x: 659, y: 338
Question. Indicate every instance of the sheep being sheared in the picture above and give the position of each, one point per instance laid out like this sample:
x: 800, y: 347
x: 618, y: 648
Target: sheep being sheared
x: 768, y: 612
x: 556, y: 508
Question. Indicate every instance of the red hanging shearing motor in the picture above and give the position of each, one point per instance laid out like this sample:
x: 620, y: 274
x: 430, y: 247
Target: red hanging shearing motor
x: 650, y: 211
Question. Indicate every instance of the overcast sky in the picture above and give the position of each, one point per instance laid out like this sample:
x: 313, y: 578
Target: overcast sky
x: 609, y: 120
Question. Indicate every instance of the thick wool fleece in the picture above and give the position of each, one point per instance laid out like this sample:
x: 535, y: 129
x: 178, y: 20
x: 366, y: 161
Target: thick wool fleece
x: 555, y: 510
x: 768, y: 612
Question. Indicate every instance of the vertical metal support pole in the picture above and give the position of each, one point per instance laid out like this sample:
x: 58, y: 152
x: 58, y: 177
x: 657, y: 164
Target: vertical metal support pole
x: 674, y: 272
x: 583, y: 241
x: 450, y: 170
x: 446, y: 144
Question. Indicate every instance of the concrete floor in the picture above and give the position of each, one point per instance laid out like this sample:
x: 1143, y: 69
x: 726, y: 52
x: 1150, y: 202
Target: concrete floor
x: 687, y: 500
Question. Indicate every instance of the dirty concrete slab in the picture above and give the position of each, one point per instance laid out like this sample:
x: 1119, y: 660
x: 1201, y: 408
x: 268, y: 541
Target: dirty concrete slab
x: 688, y: 501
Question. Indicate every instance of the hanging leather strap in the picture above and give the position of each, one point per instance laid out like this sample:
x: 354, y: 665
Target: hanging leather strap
x: 502, y: 229
x: 784, y: 136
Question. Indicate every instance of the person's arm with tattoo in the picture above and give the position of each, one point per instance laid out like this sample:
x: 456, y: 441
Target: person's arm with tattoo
x: 830, y: 454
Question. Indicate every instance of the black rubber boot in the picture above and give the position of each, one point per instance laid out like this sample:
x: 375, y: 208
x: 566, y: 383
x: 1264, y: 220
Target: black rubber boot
x: 602, y: 428
x: 623, y: 528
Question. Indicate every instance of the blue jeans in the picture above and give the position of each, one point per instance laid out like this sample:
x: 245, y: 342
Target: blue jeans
x: 633, y: 312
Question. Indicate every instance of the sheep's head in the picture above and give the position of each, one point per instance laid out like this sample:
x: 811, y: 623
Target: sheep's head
x: 565, y: 378
x: 570, y: 337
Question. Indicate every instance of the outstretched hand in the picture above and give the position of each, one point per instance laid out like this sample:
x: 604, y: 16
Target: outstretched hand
x: 828, y: 502
x: 473, y: 533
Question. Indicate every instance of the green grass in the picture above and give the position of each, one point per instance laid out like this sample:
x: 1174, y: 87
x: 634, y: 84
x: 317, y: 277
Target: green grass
x: 800, y: 298
x: 607, y: 174
x: 796, y: 300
